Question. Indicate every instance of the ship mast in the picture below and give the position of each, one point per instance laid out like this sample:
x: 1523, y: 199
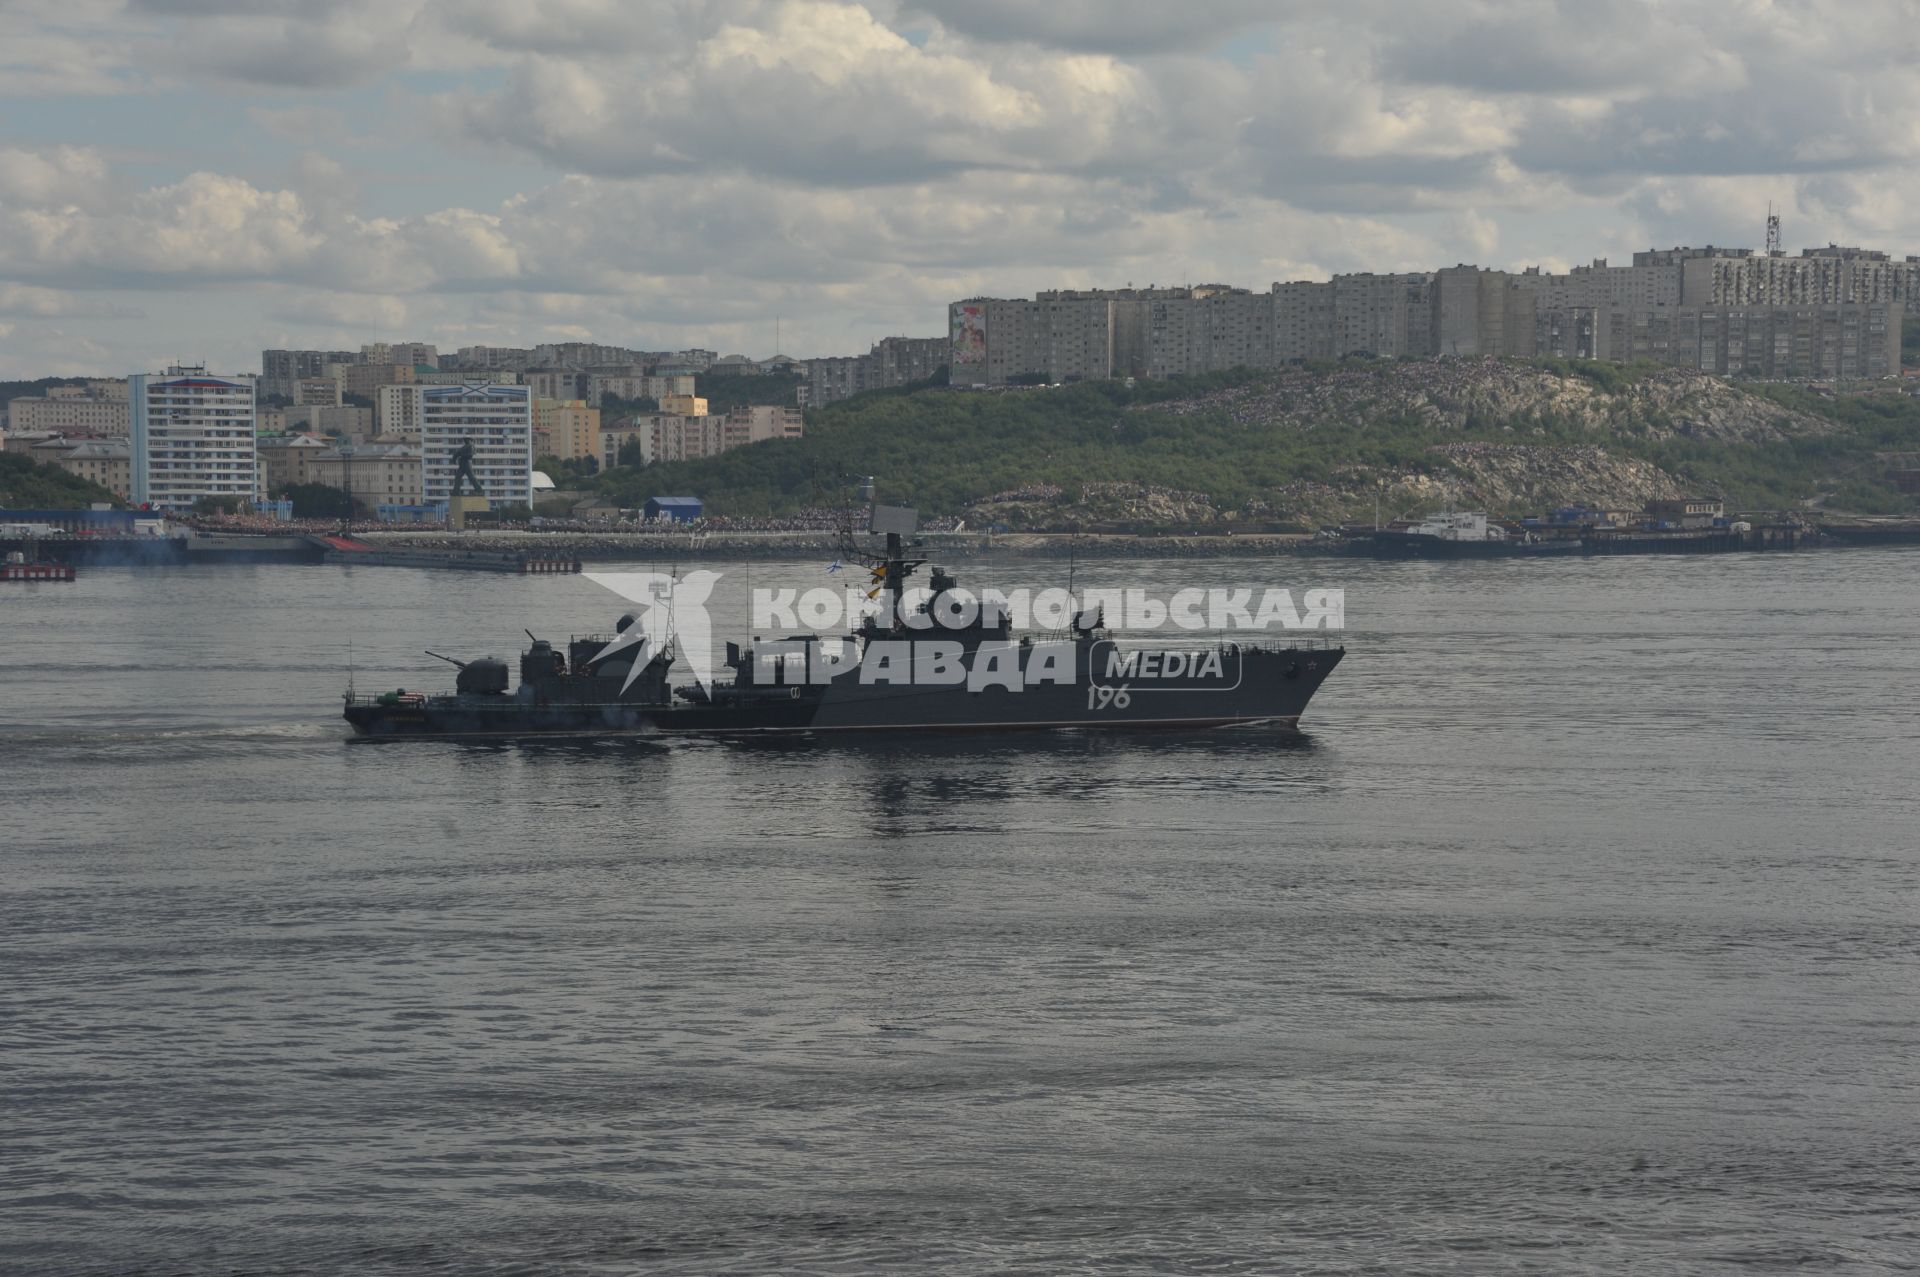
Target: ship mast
x: 891, y: 568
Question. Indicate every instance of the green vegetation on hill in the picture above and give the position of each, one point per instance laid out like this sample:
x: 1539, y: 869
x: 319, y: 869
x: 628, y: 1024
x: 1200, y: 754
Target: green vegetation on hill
x: 28, y: 485
x: 1319, y: 443
x: 727, y: 391
x: 944, y: 450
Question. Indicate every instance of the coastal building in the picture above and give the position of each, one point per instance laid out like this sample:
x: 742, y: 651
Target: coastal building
x: 1828, y: 276
x: 107, y: 462
x: 396, y: 412
x: 1481, y: 312
x: 556, y: 383
x: 69, y: 414
x: 1205, y: 329
x: 615, y: 436
x: 192, y: 436
x: 758, y: 423
x: 1302, y: 322
x: 572, y: 429
x: 347, y: 421
x: 834, y: 378
x: 414, y: 353
x: 21, y: 443
x: 1056, y: 337
x: 363, y: 381
x: 493, y: 358
x: 902, y: 361
x: 631, y: 385
x: 375, y: 474
x: 684, y: 405
x: 316, y: 390
x: 1838, y: 340
x: 497, y: 421
x: 279, y: 369
x: 92, y: 388
x: 1381, y: 316
x: 286, y: 459
x: 580, y: 355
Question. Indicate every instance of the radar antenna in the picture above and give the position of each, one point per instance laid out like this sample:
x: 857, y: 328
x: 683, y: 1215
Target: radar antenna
x: 889, y: 569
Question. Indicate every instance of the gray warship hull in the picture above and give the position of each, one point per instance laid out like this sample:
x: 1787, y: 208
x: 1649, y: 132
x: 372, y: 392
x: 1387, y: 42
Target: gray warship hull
x: 1110, y: 689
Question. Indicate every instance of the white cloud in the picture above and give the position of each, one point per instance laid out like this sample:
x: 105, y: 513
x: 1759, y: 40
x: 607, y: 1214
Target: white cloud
x: 1112, y: 26
x: 26, y: 301
x: 52, y: 177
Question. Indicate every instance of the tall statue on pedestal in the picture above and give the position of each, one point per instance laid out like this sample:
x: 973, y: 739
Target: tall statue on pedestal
x: 463, y: 459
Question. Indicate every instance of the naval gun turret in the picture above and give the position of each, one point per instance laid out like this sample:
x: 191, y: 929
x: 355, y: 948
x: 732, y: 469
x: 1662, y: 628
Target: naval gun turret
x: 486, y: 676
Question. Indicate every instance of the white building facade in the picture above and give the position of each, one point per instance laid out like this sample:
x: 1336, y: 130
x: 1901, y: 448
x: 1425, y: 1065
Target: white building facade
x: 192, y: 436
x: 497, y: 420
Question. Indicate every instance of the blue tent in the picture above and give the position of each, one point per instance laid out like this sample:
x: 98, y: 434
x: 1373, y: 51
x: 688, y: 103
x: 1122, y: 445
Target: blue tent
x: 678, y: 509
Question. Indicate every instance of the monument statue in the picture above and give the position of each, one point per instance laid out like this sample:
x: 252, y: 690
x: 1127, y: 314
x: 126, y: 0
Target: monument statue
x: 463, y: 458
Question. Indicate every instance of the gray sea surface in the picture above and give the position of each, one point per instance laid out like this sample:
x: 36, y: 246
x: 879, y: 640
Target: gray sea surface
x: 1579, y: 931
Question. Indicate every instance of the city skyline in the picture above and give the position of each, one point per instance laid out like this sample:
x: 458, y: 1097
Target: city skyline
x: 199, y: 181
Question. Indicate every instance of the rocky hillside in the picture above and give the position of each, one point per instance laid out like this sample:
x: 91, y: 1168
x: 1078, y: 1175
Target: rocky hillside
x: 1456, y: 396
x: 1320, y: 445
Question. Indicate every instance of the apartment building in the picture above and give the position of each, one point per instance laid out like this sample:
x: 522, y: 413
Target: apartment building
x: 279, y: 369
x: 192, y: 436
x: 571, y: 428
x: 1056, y: 337
x: 1831, y: 276
x: 758, y: 423
x: 413, y: 353
x: 1302, y: 322
x: 494, y: 358
x: 1381, y: 316
x: 363, y: 381
x: 1208, y: 329
x: 497, y: 420
x: 69, y: 414
x: 396, y: 412
x: 316, y: 391
x: 556, y: 383
x: 1844, y: 341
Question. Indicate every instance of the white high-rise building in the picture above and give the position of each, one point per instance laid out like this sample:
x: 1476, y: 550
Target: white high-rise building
x: 497, y: 421
x: 397, y: 412
x: 192, y: 436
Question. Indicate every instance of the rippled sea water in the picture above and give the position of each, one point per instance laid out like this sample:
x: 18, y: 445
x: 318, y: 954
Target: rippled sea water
x: 1578, y: 932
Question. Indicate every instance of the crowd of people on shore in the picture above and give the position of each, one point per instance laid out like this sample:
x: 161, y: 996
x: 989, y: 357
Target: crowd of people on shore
x: 266, y: 524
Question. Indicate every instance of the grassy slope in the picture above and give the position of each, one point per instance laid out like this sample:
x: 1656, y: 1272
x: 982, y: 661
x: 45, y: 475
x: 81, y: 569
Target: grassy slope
x: 943, y: 450
x: 28, y: 485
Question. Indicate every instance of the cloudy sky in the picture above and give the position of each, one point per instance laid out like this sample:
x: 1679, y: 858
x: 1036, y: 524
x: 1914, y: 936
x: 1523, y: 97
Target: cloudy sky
x: 197, y: 179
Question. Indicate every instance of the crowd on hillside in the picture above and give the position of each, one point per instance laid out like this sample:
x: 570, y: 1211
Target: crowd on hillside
x: 1300, y: 397
x: 1527, y: 451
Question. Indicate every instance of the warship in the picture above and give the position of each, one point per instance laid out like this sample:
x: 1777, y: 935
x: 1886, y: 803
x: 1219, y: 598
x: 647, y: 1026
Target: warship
x: 910, y: 665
